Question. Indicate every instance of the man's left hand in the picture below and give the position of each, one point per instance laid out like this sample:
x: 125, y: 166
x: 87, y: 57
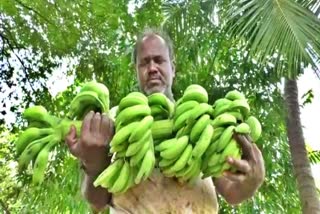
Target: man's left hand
x: 249, y: 175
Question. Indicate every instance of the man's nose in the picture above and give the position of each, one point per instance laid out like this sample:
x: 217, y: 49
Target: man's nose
x: 152, y: 66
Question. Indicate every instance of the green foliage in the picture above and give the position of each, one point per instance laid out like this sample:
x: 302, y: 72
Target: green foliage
x: 37, y: 37
x: 277, y: 29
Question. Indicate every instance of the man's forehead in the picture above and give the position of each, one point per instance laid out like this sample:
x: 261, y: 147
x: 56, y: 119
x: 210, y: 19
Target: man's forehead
x: 151, y: 37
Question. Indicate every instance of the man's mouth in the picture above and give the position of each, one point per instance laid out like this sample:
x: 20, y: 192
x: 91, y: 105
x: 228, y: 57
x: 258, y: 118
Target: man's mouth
x: 154, y: 78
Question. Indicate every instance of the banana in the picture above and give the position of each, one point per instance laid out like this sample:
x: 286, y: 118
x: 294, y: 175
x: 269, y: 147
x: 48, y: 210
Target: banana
x: 198, y: 94
x: 195, y: 176
x: 122, y: 135
x: 203, y: 142
x: 217, y: 133
x: 186, y: 129
x: 119, y: 148
x: 133, y: 174
x: 183, y: 160
x: 224, y: 120
x: 134, y: 147
x: 159, y: 99
x: 166, y: 144
x: 159, y: 112
x: 183, y: 107
x: 194, y: 87
x: 29, y: 135
x: 193, y: 171
x: 132, y: 113
x: 136, y: 159
x: 235, y: 95
x: 132, y: 100
x: 30, y: 152
x: 221, y: 102
x: 146, y: 167
x: 139, y: 94
x: 198, y: 127
x: 84, y: 102
x: 255, y: 127
x: 242, y: 105
x: 218, y: 111
x: 100, y: 89
x: 214, y: 171
x: 232, y: 150
x: 39, y: 113
x: 176, y: 149
x: 181, y: 120
x: 122, y: 180
x: 36, y: 113
x: 225, y: 138
x: 243, y: 128
x: 237, y: 115
x: 214, y: 159
x: 107, y: 178
x: 41, y: 162
x: 167, y: 162
x: 221, y: 106
x: 201, y: 109
x: 121, y: 154
x: 144, y: 125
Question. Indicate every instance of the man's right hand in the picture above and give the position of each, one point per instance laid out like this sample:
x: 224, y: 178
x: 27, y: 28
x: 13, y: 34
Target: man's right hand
x: 91, y: 148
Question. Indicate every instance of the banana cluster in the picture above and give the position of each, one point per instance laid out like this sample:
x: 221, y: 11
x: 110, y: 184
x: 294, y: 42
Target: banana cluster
x: 181, y: 156
x: 35, y: 143
x: 231, y: 115
x: 132, y: 146
x: 93, y: 96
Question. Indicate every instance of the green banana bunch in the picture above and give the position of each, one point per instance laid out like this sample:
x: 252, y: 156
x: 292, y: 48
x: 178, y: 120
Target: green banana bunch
x: 232, y: 115
x: 181, y: 156
x: 132, y: 145
x: 93, y: 96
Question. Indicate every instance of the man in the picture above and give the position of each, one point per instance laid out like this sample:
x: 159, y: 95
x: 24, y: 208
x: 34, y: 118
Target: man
x: 154, y: 62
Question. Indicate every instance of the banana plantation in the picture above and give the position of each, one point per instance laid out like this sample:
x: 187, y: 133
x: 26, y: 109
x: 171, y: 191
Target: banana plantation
x: 236, y: 63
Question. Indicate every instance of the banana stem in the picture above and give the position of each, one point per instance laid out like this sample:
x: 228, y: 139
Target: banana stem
x: 65, y: 126
x: 162, y: 129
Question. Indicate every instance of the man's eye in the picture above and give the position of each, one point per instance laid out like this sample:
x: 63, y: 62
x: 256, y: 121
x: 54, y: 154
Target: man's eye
x: 159, y: 60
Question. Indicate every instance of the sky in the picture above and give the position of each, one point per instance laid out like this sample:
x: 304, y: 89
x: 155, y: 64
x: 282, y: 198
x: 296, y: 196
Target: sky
x: 310, y: 115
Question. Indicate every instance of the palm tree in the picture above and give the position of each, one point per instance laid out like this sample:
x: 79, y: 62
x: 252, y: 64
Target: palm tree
x: 285, y: 32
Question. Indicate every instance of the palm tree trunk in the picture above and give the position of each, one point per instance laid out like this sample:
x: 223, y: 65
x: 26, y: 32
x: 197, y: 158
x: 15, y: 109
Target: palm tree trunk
x: 306, y: 186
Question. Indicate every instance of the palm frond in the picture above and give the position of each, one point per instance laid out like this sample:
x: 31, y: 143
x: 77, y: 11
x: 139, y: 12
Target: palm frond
x: 276, y: 28
x: 314, y: 157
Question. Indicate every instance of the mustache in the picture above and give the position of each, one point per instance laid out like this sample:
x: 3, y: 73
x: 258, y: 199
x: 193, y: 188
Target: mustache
x: 154, y: 76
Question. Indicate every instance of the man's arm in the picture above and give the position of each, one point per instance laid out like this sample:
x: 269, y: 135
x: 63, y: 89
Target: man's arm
x: 98, y: 197
x: 242, y: 185
x: 91, y: 148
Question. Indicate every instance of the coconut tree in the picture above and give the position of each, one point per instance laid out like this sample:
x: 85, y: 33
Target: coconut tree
x: 285, y: 32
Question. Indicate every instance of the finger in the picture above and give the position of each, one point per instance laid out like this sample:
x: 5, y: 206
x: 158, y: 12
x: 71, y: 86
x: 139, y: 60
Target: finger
x: 71, y: 141
x: 241, y: 165
x: 107, y: 127
x: 87, y: 122
x: 235, y: 177
x: 259, y: 158
x: 245, y: 144
x: 95, y: 123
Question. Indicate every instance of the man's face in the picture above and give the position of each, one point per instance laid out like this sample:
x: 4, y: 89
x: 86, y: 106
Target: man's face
x: 154, y: 68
